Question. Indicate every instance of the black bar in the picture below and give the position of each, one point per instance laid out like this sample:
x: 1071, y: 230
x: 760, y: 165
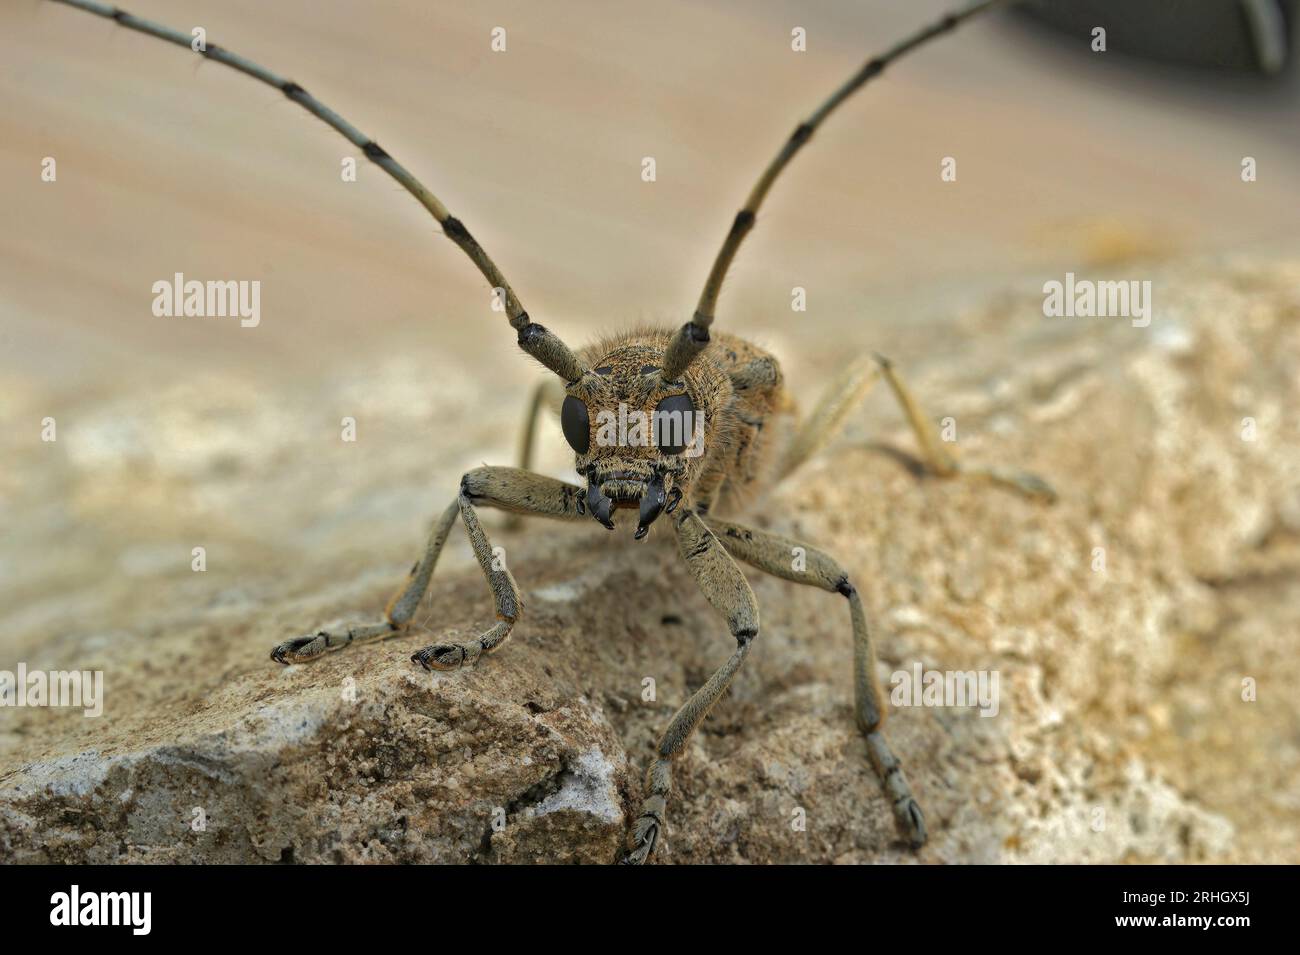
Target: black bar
x: 972, y: 904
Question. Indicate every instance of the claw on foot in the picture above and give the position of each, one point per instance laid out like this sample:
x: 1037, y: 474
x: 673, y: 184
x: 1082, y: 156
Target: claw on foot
x: 911, y: 821
x: 445, y: 656
x: 907, y: 811
x: 1030, y: 485
x: 300, y: 649
x: 645, y: 834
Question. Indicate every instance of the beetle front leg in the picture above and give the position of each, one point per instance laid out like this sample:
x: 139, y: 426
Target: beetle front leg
x: 509, y: 489
x: 505, y: 595
x: 519, y: 492
x: 771, y: 553
x: 400, y: 609
x: 727, y: 590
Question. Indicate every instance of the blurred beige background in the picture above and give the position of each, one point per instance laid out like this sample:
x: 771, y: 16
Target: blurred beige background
x: 168, y: 163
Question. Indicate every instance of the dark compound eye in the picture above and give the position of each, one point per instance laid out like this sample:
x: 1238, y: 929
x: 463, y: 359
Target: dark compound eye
x: 576, y: 424
x: 674, y: 424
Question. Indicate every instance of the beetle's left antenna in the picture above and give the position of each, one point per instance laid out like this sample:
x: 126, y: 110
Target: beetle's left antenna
x: 533, y: 338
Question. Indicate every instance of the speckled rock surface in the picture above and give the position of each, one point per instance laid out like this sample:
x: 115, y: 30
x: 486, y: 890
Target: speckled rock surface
x: 1121, y: 734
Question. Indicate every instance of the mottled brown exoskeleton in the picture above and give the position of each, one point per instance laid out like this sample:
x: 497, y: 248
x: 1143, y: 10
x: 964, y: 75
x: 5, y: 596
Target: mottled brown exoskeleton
x: 704, y: 411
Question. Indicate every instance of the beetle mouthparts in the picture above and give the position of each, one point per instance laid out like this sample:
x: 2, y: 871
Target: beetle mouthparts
x: 599, y: 505
x: 652, y: 503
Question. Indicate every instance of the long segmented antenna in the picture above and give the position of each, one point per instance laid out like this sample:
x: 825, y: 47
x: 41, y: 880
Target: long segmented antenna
x: 692, y: 337
x: 533, y: 338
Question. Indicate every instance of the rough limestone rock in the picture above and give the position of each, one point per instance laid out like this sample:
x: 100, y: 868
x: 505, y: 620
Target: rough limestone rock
x: 1123, y: 622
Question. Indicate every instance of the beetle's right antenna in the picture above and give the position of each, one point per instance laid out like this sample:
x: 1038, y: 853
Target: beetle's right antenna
x: 533, y: 338
x: 692, y: 337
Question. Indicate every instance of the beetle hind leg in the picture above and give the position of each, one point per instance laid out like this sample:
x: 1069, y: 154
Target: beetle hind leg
x: 848, y: 390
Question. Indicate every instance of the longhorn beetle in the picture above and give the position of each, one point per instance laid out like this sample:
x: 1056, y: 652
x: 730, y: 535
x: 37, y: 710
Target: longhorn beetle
x: 697, y: 450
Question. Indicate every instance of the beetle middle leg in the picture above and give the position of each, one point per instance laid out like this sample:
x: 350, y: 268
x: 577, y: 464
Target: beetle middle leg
x: 726, y: 589
x: 776, y: 555
x: 548, y: 394
x: 509, y: 489
x: 848, y: 390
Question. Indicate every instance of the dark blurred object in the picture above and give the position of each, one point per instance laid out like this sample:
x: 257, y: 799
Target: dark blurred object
x: 1231, y: 34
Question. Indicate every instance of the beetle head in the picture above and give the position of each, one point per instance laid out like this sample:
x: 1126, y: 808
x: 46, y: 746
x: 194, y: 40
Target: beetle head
x: 639, y: 440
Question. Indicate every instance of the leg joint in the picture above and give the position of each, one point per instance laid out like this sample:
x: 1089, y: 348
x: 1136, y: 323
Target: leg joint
x: 697, y: 329
x: 473, y: 484
x: 529, y: 335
